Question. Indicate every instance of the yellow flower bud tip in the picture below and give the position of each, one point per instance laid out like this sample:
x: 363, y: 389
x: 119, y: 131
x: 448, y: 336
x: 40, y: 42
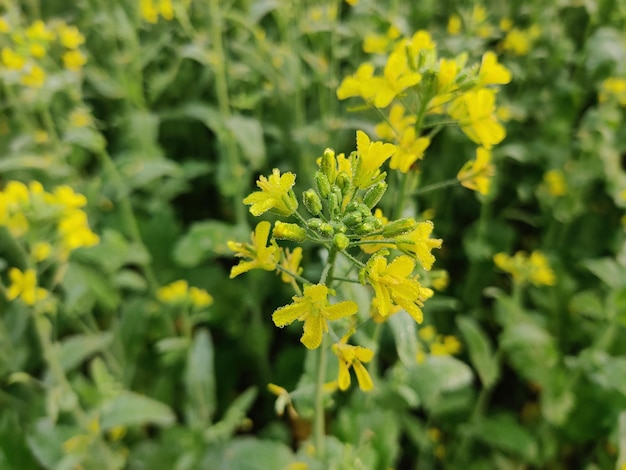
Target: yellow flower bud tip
x: 286, y: 231
x: 341, y: 241
x: 276, y: 389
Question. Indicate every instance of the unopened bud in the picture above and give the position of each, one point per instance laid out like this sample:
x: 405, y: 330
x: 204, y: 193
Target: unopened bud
x: 329, y: 165
x: 314, y: 223
x: 398, y: 227
x: 375, y: 194
x: 285, y: 231
x: 334, y: 202
x: 322, y: 183
x: 352, y: 219
x: 312, y: 202
x: 364, y: 228
x: 341, y: 241
x: 339, y: 227
x: 325, y: 229
x: 343, y: 181
x: 374, y: 222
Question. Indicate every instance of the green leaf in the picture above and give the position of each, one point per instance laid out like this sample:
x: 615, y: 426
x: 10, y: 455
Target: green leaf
x: 504, y: 433
x: 437, y: 376
x: 207, y: 240
x: 587, y: 303
x: 607, y: 270
x: 249, y: 135
x: 233, y: 417
x: 404, y: 329
x: 200, y: 379
x: 248, y: 453
x: 75, y: 349
x: 480, y: 351
x: 131, y: 409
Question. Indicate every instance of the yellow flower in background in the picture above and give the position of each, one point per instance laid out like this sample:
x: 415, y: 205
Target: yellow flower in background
x: 506, y: 24
x: 5, y: 27
x: 410, y: 148
x: 261, y: 256
x: 447, y: 346
x: 377, y: 43
x: 479, y: 14
x: 350, y: 356
x: 555, y: 182
x: 420, y: 41
x: 173, y: 293
x: 70, y: 37
x: 41, y: 251
x: 148, y: 11
x: 75, y: 232
x: 199, y: 297
x: 34, y: 77
x: 522, y: 268
x: 38, y: 31
x: 517, y: 42
x: 74, y: 60
x: 68, y: 198
x: 476, y: 174
x: 24, y: 286
x: 166, y: 9
x: 475, y: 111
x: 314, y: 310
x: 454, y: 24
x: 291, y: 262
x: 355, y: 85
x: 275, y: 195
x: 393, y: 285
x: 447, y: 74
x: 491, y: 72
x: 397, y: 122
x: 11, y: 59
x: 371, y: 155
x: 81, y: 117
x: 37, y: 51
x: 613, y: 88
x: 418, y: 244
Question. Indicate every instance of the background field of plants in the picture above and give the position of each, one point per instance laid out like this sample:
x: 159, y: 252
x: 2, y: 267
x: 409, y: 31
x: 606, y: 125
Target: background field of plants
x: 130, y: 133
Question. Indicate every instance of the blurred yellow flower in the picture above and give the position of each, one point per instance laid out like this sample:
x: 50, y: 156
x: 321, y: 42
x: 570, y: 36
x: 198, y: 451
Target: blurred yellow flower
x: 517, y: 42
x: 491, y: 72
x: 410, y: 148
x: 613, y: 88
x: 393, y: 127
x: 522, y: 268
x: 38, y: 31
x: 476, y: 174
x: 12, y: 60
x: 506, y: 24
x: 37, y: 51
x: 70, y: 37
x: 81, y: 117
x: 24, y: 286
x: 475, y: 111
x: 41, y: 251
x: 555, y: 181
x: 35, y: 77
x: 314, y: 310
x: 355, y: 85
x: 74, y: 60
x: 454, y: 24
x: 350, y: 356
x: 199, y: 297
x: 418, y: 244
x: 5, y: 27
x: 371, y: 155
x: 75, y: 232
x: 173, y: 293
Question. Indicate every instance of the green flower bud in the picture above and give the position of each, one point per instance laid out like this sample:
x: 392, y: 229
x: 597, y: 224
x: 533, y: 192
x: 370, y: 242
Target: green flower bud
x: 374, y: 222
x: 364, y: 210
x: 352, y: 219
x: 312, y: 202
x: 285, y: 231
x: 375, y: 194
x: 339, y: 227
x: 329, y: 165
x: 365, y: 228
x: 314, y: 223
x: 352, y: 206
x: 398, y: 227
x: 334, y: 202
x: 341, y: 241
x: 343, y: 181
x: 322, y: 183
x: 325, y: 230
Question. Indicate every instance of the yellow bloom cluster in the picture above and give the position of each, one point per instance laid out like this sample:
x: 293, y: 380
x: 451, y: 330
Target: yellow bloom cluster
x: 179, y: 292
x: 23, y: 285
x: 40, y: 217
x: 28, y: 55
x: 520, y: 41
x: 150, y: 10
x: 613, y: 88
x: 523, y: 268
x: 436, y: 344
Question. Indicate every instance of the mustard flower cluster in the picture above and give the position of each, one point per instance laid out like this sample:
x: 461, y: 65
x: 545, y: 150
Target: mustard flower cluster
x: 151, y: 10
x: 28, y: 55
x: 341, y: 215
x: 48, y: 226
x: 524, y: 268
x: 416, y: 91
x: 179, y: 293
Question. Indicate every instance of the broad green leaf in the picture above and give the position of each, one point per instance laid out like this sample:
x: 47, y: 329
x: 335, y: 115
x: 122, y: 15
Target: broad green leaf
x: 249, y: 135
x: 75, y: 349
x: 589, y: 304
x: 437, y: 376
x: 504, y: 433
x: 207, y: 240
x: 200, y: 379
x: 247, y: 453
x: 480, y: 350
x: 131, y: 409
x: 404, y: 332
x: 608, y: 270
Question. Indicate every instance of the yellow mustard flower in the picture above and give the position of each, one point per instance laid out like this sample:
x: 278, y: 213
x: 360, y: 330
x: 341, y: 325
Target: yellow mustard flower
x: 81, y: 117
x: 41, y: 137
x: 440, y: 280
x: 38, y: 31
x: 5, y: 27
x: 356, y: 84
x: 74, y: 60
x: 24, y: 286
x: 377, y: 43
x: 37, y: 51
x: 12, y: 60
x: 555, y: 182
x: 393, y: 286
x: 447, y: 74
x: 396, y: 123
x: 291, y: 262
x: 418, y: 244
x: 397, y: 77
x: 68, y: 198
x: 371, y: 155
x: 613, y: 88
x: 166, y: 9
x: 427, y: 333
x: 445, y: 346
x: 70, y: 37
x: 420, y: 41
x: 173, y: 293
x: 522, y: 268
x: 491, y: 72
x: 479, y: 14
x: 314, y: 310
x: 540, y: 271
x: 410, y: 148
x: 75, y: 232
x: 350, y: 356
x: 148, y: 11
x: 261, y: 256
x: 476, y: 174
x: 506, y: 24
x: 199, y: 297
x: 34, y: 77
x: 41, y: 251
x: 275, y: 195
x: 475, y: 112
x: 517, y: 42
x: 454, y: 24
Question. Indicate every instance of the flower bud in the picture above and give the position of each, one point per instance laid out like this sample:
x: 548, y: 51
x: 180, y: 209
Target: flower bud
x: 343, y: 181
x: 312, y: 202
x: 398, y: 227
x: 334, y: 202
x: 314, y: 223
x: 375, y: 194
x: 364, y: 228
x: 374, y: 222
x: 325, y: 229
x: 328, y: 165
x: 285, y: 231
x: 352, y: 206
x: 339, y: 227
x: 322, y: 183
x: 341, y: 241
x: 352, y: 219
